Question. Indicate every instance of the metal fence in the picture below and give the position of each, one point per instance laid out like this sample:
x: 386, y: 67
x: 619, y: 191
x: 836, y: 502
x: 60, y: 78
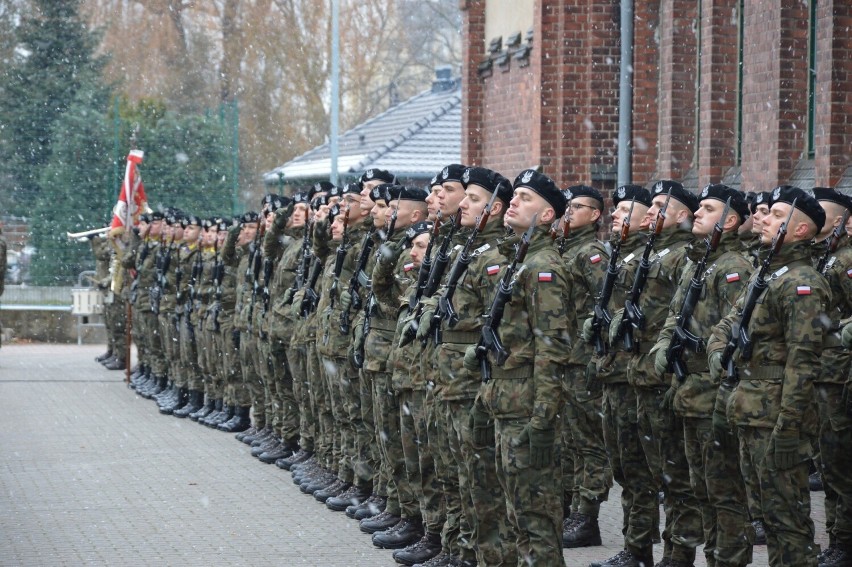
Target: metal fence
x: 36, y: 295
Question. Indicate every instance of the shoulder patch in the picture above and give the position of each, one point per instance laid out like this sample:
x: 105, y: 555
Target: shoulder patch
x: 731, y: 278
x: 492, y: 270
x: 595, y: 259
x: 545, y: 276
x: 803, y: 290
x: 408, y: 267
x: 849, y: 272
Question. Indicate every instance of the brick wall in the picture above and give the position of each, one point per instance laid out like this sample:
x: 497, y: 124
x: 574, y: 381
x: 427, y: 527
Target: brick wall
x: 833, y: 121
x: 473, y: 32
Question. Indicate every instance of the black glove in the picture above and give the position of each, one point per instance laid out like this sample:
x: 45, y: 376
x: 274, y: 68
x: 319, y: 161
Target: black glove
x: 541, y: 443
x: 594, y: 385
x: 667, y: 401
x: 481, y: 427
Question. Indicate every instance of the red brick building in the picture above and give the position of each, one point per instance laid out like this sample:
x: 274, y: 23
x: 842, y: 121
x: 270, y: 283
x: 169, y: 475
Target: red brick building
x: 754, y: 93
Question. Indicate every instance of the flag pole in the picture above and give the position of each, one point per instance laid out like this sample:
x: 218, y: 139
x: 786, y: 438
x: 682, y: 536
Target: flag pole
x: 128, y: 335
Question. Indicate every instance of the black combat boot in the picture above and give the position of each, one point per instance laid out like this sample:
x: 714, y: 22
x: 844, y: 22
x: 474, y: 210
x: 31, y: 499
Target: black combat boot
x: 195, y: 403
x: 175, y: 403
x: 422, y: 550
x: 815, y: 482
x: 759, y: 532
x: 583, y: 532
x: 262, y: 438
x: 204, y: 410
x: 370, y: 507
x: 217, y: 409
x: 404, y: 533
x: 115, y: 364
x: 335, y: 488
x: 240, y: 421
x: 317, y: 482
x: 299, y: 456
x: 222, y: 417
x: 104, y: 356
x: 378, y: 523
x: 443, y: 559
x: 839, y: 556
x: 282, y: 451
x: 251, y: 431
x: 270, y: 444
x: 352, y: 497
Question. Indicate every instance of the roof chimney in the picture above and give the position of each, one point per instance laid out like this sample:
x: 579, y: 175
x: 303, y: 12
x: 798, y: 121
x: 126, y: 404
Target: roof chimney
x: 443, y: 79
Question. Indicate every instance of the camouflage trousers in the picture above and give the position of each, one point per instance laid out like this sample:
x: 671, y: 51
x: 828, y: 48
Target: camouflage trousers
x: 419, y: 460
x: 115, y: 319
x: 484, y: 512
x: 719, y: 488
x: 286, y: 410
x: 400, y: 498
x: 146, y: 331
x: 171, y: 347
x: 252, y: 381
x: 261, y: 406
x: 297, y: 357
x: 321, y: 409
x: 445, y: 471
x: 211, y: 358
x: 331, y: 370
x: 592, y: 474
x: 236, y: 393
x: 532, y: 496
x: 188, y: 347
x: 639, y: 489
x: 835, y: 447
x: 346, y: 410
x: 266, y: 401
x: 785, y: 500
x: 368, y: 445
x: 661, y: 433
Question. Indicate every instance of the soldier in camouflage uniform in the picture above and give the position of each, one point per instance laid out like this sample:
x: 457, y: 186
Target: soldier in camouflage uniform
x: 102, y: 251
x: 774, y: 406
x: 713, y: 459
x: 660, y: 430
x: 835, y: 428
x: 163, y: 298
x: 209, y: 359
x: 584, y: 256
x: 523, y: 397
x: 621, y: 434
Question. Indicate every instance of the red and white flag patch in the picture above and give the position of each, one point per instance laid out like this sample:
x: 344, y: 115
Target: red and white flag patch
x: 803, y: 290
x: 595, y: 259
x: 849, y: 272
x: 491, y: 270
x: 731, y: 278
x: 408, y: 267
x: 545, y: 276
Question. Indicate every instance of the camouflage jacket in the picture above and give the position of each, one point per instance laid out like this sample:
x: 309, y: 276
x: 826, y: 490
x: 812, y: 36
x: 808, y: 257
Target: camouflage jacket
x: 838, y: 272
x: 243, y: 290
x: 667, y: 264
x: 585, y: 262
x: 232, y: 258
x: 473, y: 295
x: 187, y: 258
x: 146, y: 272
x: 534, y: 330
x: 205, y: 287
x: 786, y: 330
x: 281, y: 322
x: 102, y: 251
x: 726, y: 274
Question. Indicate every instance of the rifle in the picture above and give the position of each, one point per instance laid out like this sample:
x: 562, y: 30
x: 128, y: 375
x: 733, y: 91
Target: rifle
x: 370, y: 307
x: 489, y: 338
x: 633, y: 317
x: 339, y: 258
x: 311, y: 297
x: 356, y: 279
x: 143, y: 254
x: 566, y: 228
x: 739, y: 338
x: 253, y: 268
x: 445, y: 302
x: 682, y: 338
x: 164, y: 260
x: 414, y: 305
x: 218, y: 275
x: 603, y: 317
x: 442, y: 260
x: 304, y: 263
x: 178, y: 278
x: 189, y: 306
x: 832, y: 243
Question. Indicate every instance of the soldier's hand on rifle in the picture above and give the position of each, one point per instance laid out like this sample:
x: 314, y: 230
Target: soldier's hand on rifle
x: 846, y: 336
x: 615, y: 325
x: 715, y: 362
x: 389, y: 252
x: 345, y: 300
x: 540, y: 442
x: 288, y: 296
x: 667, y: 403
x: 593, y: 384
x: 785, y: 442
x: 357, y: 344
x: 587, y: 334
x: 425, y: 322
x: 471, y: 361
x: 481, y: 426
x: 296, y: 306
x: 661, y: 363
x: 409, y: 325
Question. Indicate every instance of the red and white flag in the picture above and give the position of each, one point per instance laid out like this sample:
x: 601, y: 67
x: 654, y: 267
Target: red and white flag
x: 132, y: 201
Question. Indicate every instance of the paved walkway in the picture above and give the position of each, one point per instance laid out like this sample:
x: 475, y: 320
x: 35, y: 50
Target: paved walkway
x: 90, y: 473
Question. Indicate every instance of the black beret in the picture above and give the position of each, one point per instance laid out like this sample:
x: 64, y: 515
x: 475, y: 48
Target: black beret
x: 190, y: 220
x: 453, y: 172
x: 403, y: 193
x: 632, y: 193
x: 145, y: 217
x: 268, y: 198
x: 351, y: 189
x: 208, y: 223
x: 416, y: 230
x: 222, y: 223
x: 374, y: 174
x: 301, y: 198
x: 545, y: 187
x: 689, y: 200
x: 173, y: 217
x: 333, y: 211
x: 833, y: 195
x: 379, y: 193
x: 318, y: 202
x: 722, y: 192
x: 805, y: 202
x: 437, y: 179
x: 489, y: 180
x: 583, y: 191
x: 157, y: 215
x: 323, y: 187
x: 249, y: 217
x: 761, y: 198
